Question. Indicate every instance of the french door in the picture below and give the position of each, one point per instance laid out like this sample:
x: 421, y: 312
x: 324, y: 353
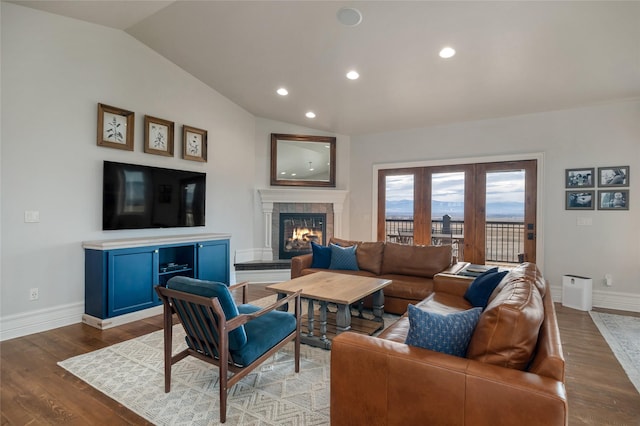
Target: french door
x: 486, y: 211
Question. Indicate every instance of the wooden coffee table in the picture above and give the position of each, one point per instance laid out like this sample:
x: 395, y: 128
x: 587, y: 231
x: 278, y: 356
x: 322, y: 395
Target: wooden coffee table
x: 333, y: 288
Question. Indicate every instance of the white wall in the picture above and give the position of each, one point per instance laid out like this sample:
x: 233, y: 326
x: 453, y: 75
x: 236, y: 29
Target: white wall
x: 606, y: 135
x: 54, y: 72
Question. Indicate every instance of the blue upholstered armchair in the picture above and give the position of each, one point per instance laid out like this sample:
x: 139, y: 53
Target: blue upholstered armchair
x: 236, y: 338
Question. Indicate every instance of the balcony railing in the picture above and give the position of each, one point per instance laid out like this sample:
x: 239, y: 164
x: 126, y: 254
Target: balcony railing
x: 504, y: 239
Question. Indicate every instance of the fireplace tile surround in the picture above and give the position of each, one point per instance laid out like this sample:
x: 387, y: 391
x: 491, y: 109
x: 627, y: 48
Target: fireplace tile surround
x: 276, y: 201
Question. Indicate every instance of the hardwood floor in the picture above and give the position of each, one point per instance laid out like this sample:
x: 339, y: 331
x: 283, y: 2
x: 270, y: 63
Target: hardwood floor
x: 35, y: 391
x: 598, y: 390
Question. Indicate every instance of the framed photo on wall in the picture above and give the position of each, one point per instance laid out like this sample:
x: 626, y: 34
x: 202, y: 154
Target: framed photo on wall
x: 613, y: 176
x: 115, y: 127
x: 613, y: 200
x: 158, y: 136
x: 579, y: 178
x: 579, y: 200
x: 194, y: 144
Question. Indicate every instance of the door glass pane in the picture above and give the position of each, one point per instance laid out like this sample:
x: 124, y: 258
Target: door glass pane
x: 399, y: 190
x: 447, y: 210
x: 504, y: 217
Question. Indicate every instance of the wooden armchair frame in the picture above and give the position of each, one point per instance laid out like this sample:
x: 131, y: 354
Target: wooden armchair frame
x: 203, y: 311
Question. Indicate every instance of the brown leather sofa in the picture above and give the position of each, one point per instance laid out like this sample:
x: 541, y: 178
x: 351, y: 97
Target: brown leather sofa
x: 411, y: 268
x: 513, y: 373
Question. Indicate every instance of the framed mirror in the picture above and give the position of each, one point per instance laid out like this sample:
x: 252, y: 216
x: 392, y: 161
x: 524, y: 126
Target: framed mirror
x: 300, y: 160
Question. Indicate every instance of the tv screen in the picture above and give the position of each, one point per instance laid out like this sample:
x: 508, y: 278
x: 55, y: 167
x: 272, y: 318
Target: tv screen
x: 138, y: 197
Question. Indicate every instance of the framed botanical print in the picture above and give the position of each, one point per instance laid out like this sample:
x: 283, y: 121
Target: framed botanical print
x: 158, y: 136
x: 579, y: 200
x: 115, y: 127
x: 579, y: 178
x: 613, y: 200
x: 613, y: 176
x: 194, y: 144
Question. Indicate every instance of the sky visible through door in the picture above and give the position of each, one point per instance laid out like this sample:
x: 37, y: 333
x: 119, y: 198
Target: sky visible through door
x: 505, y: 195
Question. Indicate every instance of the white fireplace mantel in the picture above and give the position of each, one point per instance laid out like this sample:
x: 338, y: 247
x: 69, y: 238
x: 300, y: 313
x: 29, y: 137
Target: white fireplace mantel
x: 269, y: 196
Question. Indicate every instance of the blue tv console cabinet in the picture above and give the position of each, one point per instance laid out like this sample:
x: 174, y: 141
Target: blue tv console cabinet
x: 120, y: 274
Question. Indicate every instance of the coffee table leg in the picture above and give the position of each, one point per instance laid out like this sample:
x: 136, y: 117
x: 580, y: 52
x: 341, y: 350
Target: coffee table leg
x: 284, y: 307
x: 323, y: 320
x: 310, y: 317
x: 343, y: 318
x: 378, y: 305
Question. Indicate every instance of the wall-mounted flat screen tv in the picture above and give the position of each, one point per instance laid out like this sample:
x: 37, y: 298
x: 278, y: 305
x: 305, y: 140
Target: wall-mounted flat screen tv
x: 139, y: 197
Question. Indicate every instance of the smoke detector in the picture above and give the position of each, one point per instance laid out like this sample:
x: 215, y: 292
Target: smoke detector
x: 349, y: 16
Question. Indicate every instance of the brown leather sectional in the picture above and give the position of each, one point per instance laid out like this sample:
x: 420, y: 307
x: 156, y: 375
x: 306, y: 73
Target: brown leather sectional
x: 411, y: 268
x: 513, y: 373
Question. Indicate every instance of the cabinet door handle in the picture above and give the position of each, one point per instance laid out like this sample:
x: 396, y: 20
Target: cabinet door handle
x: 200, y: 245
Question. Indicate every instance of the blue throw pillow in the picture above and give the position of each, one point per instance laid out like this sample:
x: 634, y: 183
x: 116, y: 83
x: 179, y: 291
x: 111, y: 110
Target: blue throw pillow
x: 449, y: 334
x: 481, y: 288
x: 343, y: 258
x: 321, y: 256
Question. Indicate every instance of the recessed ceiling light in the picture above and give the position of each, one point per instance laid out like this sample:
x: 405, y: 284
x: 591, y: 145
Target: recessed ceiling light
x: 447, y: 52
x: 349, y: 16
x: 311, y: 114
x: 282, y: 91
x: 283, y: 173
x: 353, y: 75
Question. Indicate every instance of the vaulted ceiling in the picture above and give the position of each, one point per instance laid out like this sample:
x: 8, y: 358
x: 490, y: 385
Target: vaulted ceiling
x: 512, y: 57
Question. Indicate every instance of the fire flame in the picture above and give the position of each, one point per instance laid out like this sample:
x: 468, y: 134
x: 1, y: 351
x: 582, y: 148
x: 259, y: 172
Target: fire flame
x: 305, y: 234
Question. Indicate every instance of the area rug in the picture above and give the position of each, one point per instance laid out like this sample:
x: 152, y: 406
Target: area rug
x: 622, y: 333
x: 132, y: 373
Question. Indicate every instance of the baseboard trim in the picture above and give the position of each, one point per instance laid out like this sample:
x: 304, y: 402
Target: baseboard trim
x: 47, y: 319
x: 106, y: 323
x: 620, y: 301
x: 31, y: 322
x: 247, y: 255
x: 606, y: 299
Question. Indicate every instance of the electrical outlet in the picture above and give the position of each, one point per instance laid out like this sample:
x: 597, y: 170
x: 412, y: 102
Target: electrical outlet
x: 33, y: 294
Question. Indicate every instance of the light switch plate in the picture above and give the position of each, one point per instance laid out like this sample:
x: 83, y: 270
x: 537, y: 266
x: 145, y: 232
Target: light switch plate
x: 584, y: 221
x: 31, y: 216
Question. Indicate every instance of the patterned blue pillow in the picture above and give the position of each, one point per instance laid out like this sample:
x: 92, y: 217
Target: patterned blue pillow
x: 481, y: 288
x: 321, y: 256
x: 343, y: 258
x: 449, y: 334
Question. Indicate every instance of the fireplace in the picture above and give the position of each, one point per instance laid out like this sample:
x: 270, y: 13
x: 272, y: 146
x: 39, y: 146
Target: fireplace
x: 298, y: 230
x: 276, y: 201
